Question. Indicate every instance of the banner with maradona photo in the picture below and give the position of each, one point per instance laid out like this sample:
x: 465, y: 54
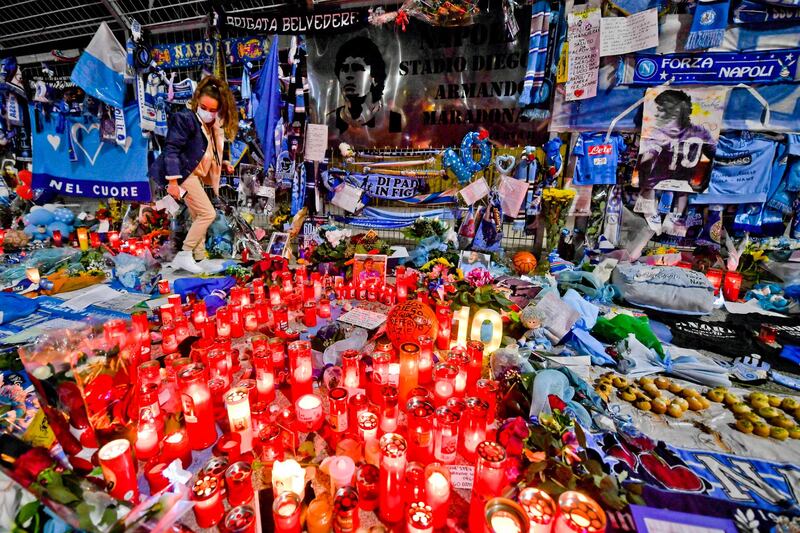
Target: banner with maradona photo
x: 424, y: 87
x: 680, y: 129
x: 76, y: 157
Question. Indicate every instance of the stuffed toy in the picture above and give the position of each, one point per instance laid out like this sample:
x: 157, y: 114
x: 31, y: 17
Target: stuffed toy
x: 41, y: 221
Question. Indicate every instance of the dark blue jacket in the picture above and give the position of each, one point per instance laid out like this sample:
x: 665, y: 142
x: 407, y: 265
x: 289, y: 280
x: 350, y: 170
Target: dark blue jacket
x: 185, y: 145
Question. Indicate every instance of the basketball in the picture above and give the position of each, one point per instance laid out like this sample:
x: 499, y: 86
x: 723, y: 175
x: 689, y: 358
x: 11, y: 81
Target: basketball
x: 408, y: 320
x: 524, y: 262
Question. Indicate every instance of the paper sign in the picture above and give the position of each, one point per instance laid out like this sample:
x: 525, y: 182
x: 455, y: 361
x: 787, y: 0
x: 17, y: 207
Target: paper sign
x: 475, y: 191
x: 363, y: 318
x: 584, y: 54
x: 316, y: 142
x: 266, y: 192
x: 623, y: 35
x: 512, y: 194
x: 462, y: 476
x: 348, y: 198
x: 556, y: 316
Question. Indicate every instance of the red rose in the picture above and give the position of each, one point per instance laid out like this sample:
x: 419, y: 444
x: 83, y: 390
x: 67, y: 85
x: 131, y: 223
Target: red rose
x: 556, y: 402
x: 30, y: 464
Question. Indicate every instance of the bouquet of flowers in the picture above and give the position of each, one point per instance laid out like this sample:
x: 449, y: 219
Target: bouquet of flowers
x: 434, y: 240
x: 554, y: 202
x: 338, y: 246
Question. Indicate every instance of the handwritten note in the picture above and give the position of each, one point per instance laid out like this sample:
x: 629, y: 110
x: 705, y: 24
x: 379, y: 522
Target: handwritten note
x: 623, y: 35
x: 363, y: 318
x: 462, y: 476
x: 583, y: 33
x: 316, y: 142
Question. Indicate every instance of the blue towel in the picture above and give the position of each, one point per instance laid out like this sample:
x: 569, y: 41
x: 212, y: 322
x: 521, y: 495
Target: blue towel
x: 14, y: 306
x: 213, y: 291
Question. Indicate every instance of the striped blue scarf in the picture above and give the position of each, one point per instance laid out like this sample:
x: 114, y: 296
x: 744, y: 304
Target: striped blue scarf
x: 537, y: 52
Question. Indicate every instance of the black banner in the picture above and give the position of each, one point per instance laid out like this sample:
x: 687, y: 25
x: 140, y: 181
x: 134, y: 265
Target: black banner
x: 295, y: 22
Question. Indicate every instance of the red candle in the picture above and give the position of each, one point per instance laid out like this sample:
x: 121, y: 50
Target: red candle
x: 715, y: 275
x: 380, y: 375
x: 177, y: 304
x: 368, y: 426
x: 409, y: 369
x: 459, y: 359
x: 475, y: 353
x: 229, y: 445
x: 94, y: 240
x: 250, y: 317
x: 731, y: 286
x: 487, y: 390
x: 280, y: 315
x: 154, y: 472
x: 367, y: 478
x: 286, y: 512
x: 237, y: 322
x: 237, y: 404
x: 223, y: 318
x: 57, y: 239
x: 301, y: 368
x: 176, y: 446
x: 258, y: 289
x: 169, y: 340
x: 337, y: 402
x: 167, y: 314
x: 218, y: 367
x: 392, y: 473
x: 207, y: 498
x: 150, y: 424
x: 437, y: 493
x: 420, y: 430
x: 163, y: 286
x: 197, y: 408
x: 350, y: 372
x: 444, y: 376
x: 490, y: 478
x: 425, y: 364
x: 265, y: 378
x: 310, y: 314
x: 270, y: 441
x: 116, y: 460
x: 199, y: 314
x: 445, y: 317
x: 357, y: 404
x: 389, y: 411
x: 238, y: 480
x: 113, y: 241
x: 419, y: 518
x: 473, y: 427
x: 274, y: 295
x: 445, y: 434
x: 241, y: 519
x: 345, y: 510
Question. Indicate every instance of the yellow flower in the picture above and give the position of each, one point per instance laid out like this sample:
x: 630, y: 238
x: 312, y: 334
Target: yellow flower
x: 459, y: 274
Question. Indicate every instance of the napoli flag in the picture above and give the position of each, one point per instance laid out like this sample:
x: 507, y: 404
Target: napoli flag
x: 100, y: 69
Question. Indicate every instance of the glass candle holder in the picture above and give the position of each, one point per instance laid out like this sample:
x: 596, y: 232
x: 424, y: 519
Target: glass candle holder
x: 445, y: 318
x: 250, y: 317
x: 420, y: 415
x: 265, y: 378
x: 197, y: 408
x: 319, y: 516
x: 270, y: 442
x: 351, y: 378
x: 489, y: 480
x: 502, y: 515
x: 380, y: 375
x: 241, y: 519
x: 238, y: 480
x: 308, y: 409
x: 389, y: 411
x: 425, y: 365
x: 420, y: 393
x: 154, y: 473
x: 150, y: 423
x: 345, y: 510
x: 169, y: 340
x: 258, y: 289
x: 176, y: 446
x: 458, y: 358
x: 207, y: 498
x: 367, y: 479
x: 280, y: 316
x: 274, y: 295
x: 392, y: 472
x: 540, y: 508
x: 301, y: 369
x: 237, y: 320
x: 488, y: 390
x: 310, y: 314
x: 444, y: 378
x: 286, y: 512
x: 237, y: 404
x: 715, y: 276
x: 475, y: 368
x: 249, y: 385
x: 288, y: 476
x: 357, y: 404
x: 419, y: 518
x: 223, y: 319
x: 229, y: 445
x: 324, y: 308
x: 437, y: 492
x: 116, y: 461
x: 368, y: 426
x: 579, y: 513
x: 409, y: 369
x: 732, y: 285
x: 216, y: 466
x: 341, y: 469
x: 445, y: 434
x: 473, y: 426
x: 337, y: 410
x: 277, y: 350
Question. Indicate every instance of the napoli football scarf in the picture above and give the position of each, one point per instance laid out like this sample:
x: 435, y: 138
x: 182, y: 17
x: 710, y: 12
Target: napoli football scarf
x: 537, y: 51
x: 708, y: 25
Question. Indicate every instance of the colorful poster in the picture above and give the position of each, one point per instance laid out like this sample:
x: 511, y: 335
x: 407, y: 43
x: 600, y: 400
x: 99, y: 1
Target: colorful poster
x: 198, y: 53
x: 423, y: 87
x: 680, y: 129
x: 71, y: 158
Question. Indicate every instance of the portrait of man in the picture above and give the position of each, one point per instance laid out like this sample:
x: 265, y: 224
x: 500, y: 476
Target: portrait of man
x: 361, y: 72
x: 369, y: 268
x: 470, y: 260
x: 677, y: 144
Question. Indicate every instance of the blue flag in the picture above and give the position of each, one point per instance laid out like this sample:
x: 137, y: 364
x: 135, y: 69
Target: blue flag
x: 269, y: 103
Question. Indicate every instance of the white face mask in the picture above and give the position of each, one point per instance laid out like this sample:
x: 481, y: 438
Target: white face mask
x: 206, y: 116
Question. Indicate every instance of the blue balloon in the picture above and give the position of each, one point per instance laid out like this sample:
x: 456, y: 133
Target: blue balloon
x: 463, y: 165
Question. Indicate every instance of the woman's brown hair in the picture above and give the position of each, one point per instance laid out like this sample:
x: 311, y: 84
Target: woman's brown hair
x: 218, y: 90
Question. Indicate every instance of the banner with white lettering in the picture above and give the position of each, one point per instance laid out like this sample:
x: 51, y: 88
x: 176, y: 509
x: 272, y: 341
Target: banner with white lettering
x: 712, y: 68
x: 426, y: 86
x: 375, y: 185
x: 293, y: 22
x: 71, y: 157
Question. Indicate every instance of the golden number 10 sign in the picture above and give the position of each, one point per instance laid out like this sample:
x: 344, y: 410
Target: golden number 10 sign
x: 474, y: 327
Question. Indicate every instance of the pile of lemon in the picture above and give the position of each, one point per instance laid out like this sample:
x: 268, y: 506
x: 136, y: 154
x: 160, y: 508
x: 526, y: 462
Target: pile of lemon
x: 649, y: 394
x: 762, y: 414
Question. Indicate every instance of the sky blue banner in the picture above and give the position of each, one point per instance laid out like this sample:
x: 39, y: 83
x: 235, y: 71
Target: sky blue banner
x: 198, y: 53
x: 97, y: 169
x: 712, y: 68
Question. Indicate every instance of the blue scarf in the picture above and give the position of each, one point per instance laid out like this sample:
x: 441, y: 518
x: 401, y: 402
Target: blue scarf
x: 708, y: 25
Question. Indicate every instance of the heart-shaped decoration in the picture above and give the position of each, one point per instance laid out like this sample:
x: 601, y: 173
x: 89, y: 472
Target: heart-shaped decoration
x: 54, y: 140
x: 74, y: 131
x: 677, y: 477
x: 578, y: 92
x: 505, y: 163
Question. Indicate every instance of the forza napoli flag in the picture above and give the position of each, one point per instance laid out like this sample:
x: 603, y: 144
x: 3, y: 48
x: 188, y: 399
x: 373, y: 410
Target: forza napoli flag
x: 294, y: 22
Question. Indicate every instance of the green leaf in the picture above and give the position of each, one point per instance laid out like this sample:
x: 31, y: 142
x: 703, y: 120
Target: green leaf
x: 109, y: 516
x: 481, y: 297
x: 60, y: 494
x: 26, y: 512
x: 580, y: 435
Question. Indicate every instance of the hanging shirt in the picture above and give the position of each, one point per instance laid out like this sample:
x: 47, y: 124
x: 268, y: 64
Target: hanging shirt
x: 597, y: 159
x: 741, y: 170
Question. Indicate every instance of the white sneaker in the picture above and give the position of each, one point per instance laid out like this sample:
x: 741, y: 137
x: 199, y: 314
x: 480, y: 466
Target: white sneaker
x: 211, y: 266
x: 185, y: 261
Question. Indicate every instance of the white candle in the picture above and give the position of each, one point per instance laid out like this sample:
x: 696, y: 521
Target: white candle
x: 146, y: 441
x: 437, y: 493
x: 288, y: 476
x: 341, y: 468
x: 237, y: 403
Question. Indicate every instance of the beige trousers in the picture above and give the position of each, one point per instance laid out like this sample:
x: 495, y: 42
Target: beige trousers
x: 203, y: 214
